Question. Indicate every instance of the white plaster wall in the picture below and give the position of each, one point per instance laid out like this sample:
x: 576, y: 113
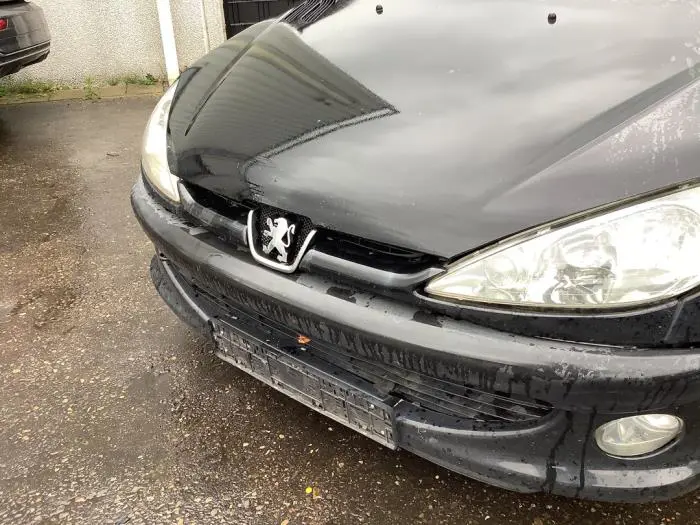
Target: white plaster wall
x: 107, y: 38
x: 189, y: 33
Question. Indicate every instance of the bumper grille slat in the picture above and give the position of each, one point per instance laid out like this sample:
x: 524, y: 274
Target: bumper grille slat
x: 451, y: 401
x: 428, y: 392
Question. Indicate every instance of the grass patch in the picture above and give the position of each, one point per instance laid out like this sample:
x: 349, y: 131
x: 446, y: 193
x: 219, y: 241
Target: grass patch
x: 139, y: 80
x: 15, y: 88
x: 12, y: 87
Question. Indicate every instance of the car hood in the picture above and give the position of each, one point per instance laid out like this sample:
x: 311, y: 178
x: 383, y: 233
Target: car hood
x: 443, y: 126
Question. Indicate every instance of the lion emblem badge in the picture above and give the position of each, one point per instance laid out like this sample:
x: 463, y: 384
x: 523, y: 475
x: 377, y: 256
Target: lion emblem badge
x: 278, y: 236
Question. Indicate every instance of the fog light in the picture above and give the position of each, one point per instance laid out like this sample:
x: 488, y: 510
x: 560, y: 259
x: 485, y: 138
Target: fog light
x: 638, y: 435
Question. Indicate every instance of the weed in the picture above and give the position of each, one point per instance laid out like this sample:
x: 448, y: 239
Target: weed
x: 134, y: 79
x: 89, y: 89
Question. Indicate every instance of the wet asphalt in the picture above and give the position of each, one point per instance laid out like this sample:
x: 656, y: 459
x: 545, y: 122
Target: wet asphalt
x: 113, y: 411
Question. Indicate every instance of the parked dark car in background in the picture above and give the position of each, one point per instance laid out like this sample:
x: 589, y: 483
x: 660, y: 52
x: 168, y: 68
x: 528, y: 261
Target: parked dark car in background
x: 470, y: 232
x: 24, y: 36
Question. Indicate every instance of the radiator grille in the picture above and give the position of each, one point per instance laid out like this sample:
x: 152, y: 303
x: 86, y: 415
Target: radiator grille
x: 344, y: 246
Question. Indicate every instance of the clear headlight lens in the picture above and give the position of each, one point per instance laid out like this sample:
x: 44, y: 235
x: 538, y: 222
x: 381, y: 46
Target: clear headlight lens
x: 637, y: 254
x: 154, y: 153
x: 638, y: 435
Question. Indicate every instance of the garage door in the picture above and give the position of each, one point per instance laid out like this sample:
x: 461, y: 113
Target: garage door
x: 244, y: 13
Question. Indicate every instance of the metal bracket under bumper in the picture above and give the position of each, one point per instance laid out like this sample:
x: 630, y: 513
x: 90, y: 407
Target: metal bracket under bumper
x: 311, y: 382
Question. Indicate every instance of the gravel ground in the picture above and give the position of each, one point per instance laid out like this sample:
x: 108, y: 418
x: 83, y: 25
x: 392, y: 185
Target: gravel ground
x: 112, y: 411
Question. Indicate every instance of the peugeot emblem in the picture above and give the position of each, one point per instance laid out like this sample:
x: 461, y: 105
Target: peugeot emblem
x: 278, y: 239
x: 279, y: 235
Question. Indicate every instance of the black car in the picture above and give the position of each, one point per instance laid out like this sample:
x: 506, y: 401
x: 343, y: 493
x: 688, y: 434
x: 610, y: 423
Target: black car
x: 24, y: 36
x: 467, y: 229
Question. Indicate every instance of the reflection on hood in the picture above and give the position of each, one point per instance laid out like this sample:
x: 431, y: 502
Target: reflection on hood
x: 274, y: 92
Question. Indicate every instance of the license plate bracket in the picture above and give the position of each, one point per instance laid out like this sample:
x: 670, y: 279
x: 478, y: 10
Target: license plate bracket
x: 319, y: 385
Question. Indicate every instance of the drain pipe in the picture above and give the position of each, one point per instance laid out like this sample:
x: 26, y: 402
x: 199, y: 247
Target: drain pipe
x: 205, y: 26
x: 167, y: 34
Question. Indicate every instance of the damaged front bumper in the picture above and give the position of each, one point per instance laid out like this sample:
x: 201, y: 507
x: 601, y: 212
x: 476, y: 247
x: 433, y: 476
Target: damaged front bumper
x: 515, y: 412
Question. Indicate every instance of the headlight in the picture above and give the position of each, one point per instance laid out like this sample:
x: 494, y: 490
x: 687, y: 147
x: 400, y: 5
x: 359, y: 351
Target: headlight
x: 640, y: 253
x: 154, y: 153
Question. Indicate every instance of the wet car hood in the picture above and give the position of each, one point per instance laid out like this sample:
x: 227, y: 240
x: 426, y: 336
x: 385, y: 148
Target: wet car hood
x: 443, y: 126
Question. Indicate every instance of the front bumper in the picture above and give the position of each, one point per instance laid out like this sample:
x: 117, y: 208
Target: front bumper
x: 585, y: 385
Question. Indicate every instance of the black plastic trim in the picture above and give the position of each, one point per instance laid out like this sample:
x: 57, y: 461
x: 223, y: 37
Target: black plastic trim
x: 316, y: 260
x: 685, y: 327
x: 227, y: 229
x: 645, y: 327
